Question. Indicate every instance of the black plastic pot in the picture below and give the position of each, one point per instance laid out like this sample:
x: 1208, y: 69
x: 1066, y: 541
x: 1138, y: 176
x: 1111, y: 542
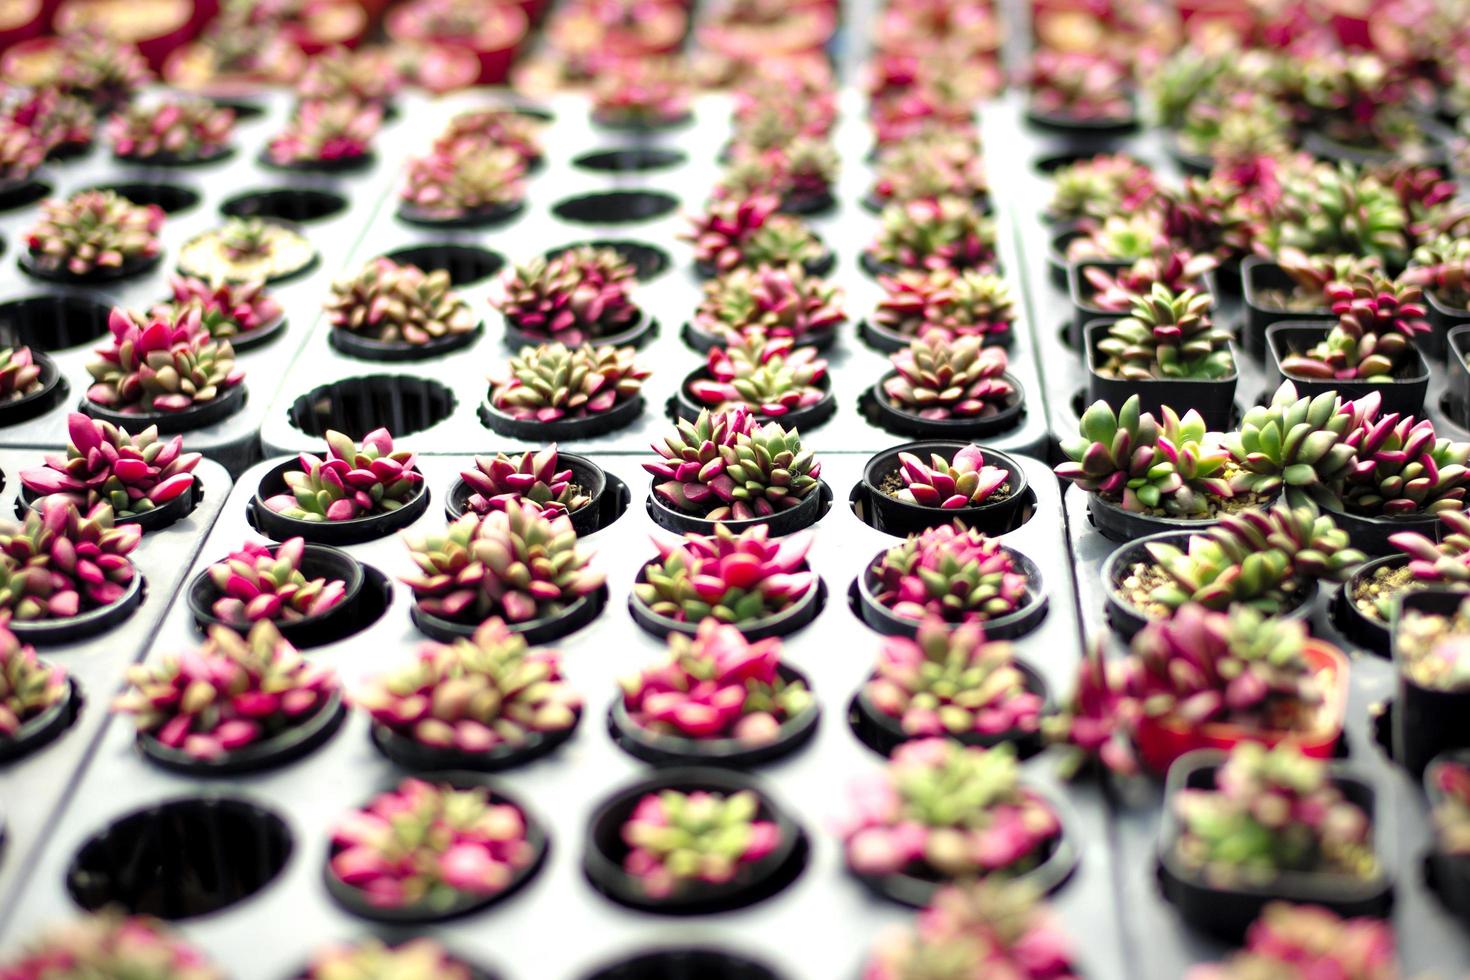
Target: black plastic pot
x: 638, y: 335
x: 149, y: 520
x: 169, y: 198
x: 886, y: 341
x: 45, y: 632
x: 1057, y: 263
x: 45, y: 727
x: 172, y: 160
x: 620, y: 416
x: 287, y: 745
x: 1193, y: 164
x: 784, y: 623
x: 1117, y: 524
x: 58, y: 273
x: 354, y: 344
x: 342, y: 165
x: 806, y: 513
x: 894, y: 516
x: 260, y: 336
x: 407, y: 753
x: 54, y: 321
x: 1370, y: 534
x: 478, y: 218
x: 352, y: 900
x: 684, y: 963
x: 573, y: 617
x: 359, y: 529
x: 1214, y: 399
x: 1103, y: 131
x: 615, y: 207
x: 402, y: 403
x: 877, y: 268
x: 1080, y: 290
x: 808, y: 204
x: 703, y: 341
x: 1427, y: 721
x: 317, y: 561
x: 687, y: 407
x: 197, y: 416
x: 1324, y: 147
x: 585, y: 474
x: 1226, y: 912
x: 51, y: 393
x: 1258, y: 275
x: 630, y: 159
x: 1008, y: 627
x: 876, y: 403
x: 883, y: 733
x: 1363, y: 630
x: 1442, y: 319
x: 640, y: 124
x: 1404, y: 394
x: 605, y: 849
x: 1447, y: 874
x: 660, y: 749
x: 1457, y: 385
x: 648, y: 260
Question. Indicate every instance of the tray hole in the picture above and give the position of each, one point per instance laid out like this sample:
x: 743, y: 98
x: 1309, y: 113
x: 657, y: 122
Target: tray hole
x: 172, y: 198
x: 465, y: 263
x: 857, y: 500
x: 181, y: 859
x: 686, y: 964
x: 21, y: 195
x: 630, y: 159
x: 648, y: 260
x: 616, y: 207
x: 52, y: 323
x: 285, y: 204
x: 357, y: 406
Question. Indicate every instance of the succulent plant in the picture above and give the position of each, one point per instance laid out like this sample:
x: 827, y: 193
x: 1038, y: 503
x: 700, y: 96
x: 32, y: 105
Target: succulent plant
x: 161, y: 362
x: 1095, y: 725
x: 1251, y: 557
x: 1433, y: 650
x: 676, y: 838
x: 234, y: 691
x: 98, y: 68
x: 1236, y: 126
x: 1120, y: 238
x: 21, y: 151
x: 726, y: 466
x: 953, y: 572
x: 716, y: 685
x: 367, y: 76
x: 1377, y: 320
x: 1308, y: 940
x: 399, y: 304
x: 749, y: 233
x: 732, y: 578
x: 940, y: 378
x: 491, y: 129
x: 945, y: 232
x: 244, y: 250
x: 226, y: 309
x: 801, y: 171
x: 1313, y: 275
x: 463, y: 180
x: 320, y: 132
x: 1435, y: 564
x: 1207, y: 216
x: 59, y: 561
x: 1098, y: 187
x: 20, y: 375
x: 948, y: 302
x: 943, y: 809
x: 354, y: 480
x: 1329, y: 210
x: 182, y: 130
x: 1427, y: 194
x: 768, y: 375
x: 1272, y: 811
x: 1294, y: 445
x: 416, y: 959
x: 944, y: 165
x: 93, y: 230
x: 1078, y: 85
x: 519, y: 563
x: 532, y: 481
x: 770, y: 301
x: 258, y: 583
x: 1401, y: 466
x: 645, y: 91
x: 59, y: 120
x: 1442, y: 266
x: 243, y: 239
x: 1169, y: 336
x: 1452, y: 815
x: 964, y: 481
x: 431, y: 845
x: 576, y: 297
x: 551, y: 382
x: 109, y: 944
x: 1177, y: 272
x: 28, y: 687
x: 479, y: 694
x: 105, y: 464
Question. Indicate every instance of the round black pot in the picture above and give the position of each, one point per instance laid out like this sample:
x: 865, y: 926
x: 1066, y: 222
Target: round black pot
x: 1117, y: 524
x: 49, y: 273
x: 638, y: 335
x: 1057, y: 263
x: 620, y: 416
x: 703, y: 341
x: 408, y: 753
x: 465, y: 264
x: 342, y: 165
x: 1448, y: 875
x: 573, y: 617
x: 51, y: 393
x: 1008, y: 627
x: 1103, y: 129
x: 1404, y: 394
x: 805, y: 419
x: 915, y: 886
x: 230, y: 401
x: 285, y: 746
x: 684, y: 963
x: 886, y: 341
x: 804, y: 514
x: 371, y: 349
x: 585, y: 474
x: 352, y: 900
x: 260, y: 336
x: 1370, y: 534
x: 883, y: 733
x: 636, y: 125
x: 175, y: 160
x: 808, y: 204
x: 19, y: 193
x: 648, y: 260
x: 1426, y: 721
x: 1362, y: 629
x: 1456, y: 399
x: 478, y: 218
x: 784, y: 623
x: 675, y: 750
x: 602, y: 856
x: 46, y: 632
x: 1213, y: 398
x: 45, y: 727
x: 359, y: 529
x: 1227, y: 912
x: 894, y: 516
x: 317, y: 561
x: 1258, y: 275
x: 896, y: 420
x: 149, y: 520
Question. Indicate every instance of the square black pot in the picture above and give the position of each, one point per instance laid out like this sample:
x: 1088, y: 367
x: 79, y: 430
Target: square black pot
x: 1258, y: 275
x: 1404, y: 394
x: 1457, y: 388
x: 1214, y: 399
x: 1426, y: 721
x: 1442, y: 319
x: 1084, y: 312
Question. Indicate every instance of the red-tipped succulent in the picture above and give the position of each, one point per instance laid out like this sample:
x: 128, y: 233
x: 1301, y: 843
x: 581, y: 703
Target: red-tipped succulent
x: 162, y: 362
x: 533, y: 480
x: 104, y: 464
x: 355, y: 480
x: 675, y: 838
x: 226, y: 309
x: 577, y: 297
x: 766, y: 375
x: 953, y: 572
x: 733, y: 578
x: 28, y: 686
x: 750, y: 232
x: 59, y: 561
x: 177, y: 130
x: 964, y: 481
x: 259, y: 583
x: 325, y: 133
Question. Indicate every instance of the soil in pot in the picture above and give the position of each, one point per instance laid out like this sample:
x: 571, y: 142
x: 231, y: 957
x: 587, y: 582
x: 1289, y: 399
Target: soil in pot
x: 1004, y: 510
x: 1354, y: 610
x: 206, y: 257
x: 356, y: 406
x: 293, y: 742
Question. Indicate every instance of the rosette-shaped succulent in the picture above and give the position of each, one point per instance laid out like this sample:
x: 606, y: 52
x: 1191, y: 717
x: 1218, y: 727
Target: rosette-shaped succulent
x: 732, y: 578
x: 93, y: 230
x: 1444, y: 563
x: 21, y: 151
x: 1401, y: 466
x: 232, y: 692
x: 429, y: 844
x: 326, y: 133
x: 532, y: 481
x: 1178, y: 272
x: 946, y: 232
x: 953, y: 572
x: 1434, y: 650
x: 491, y: 129
x: 246, y: 250
x: 726, y: 466
x: 644, y: 91
x: 398, y: 304
x: 1306, y: 940
x: 716, y: 685
x: 553, y: 382
x: 1095, y: 724
x: 749, y: 233
x: 463, y: 180
x: 1328, y: 210
x: 1078, y: 85
x: 226, y: 309
x: 259, y: 583
x: 107, y: 944
x: 675, y: 838
x: 416, y: 959
x: 1293, y: 445
x: 58, y: 120
x: 368, y: 76
x: 765, y: 374
x: 519, y: 563
x: 952, y: 681
x: 352, y: 481
x: 104, y: 464
x: 1452, y: 816
x: 1166, y: 335
x: 1121, y: 238
x: 1441, y: 266
x: 1099, y: 187
x: 1207, y: 216
x: 945, y: 165
x: 577, y: 297
x: 96, y: 67
x: 164, y: 362
x: 181, y: 130
x: 1312, y: 275
x: 965, y: 481
x: 952, y: 303
x: 802, y: 171
x: 481, y: 693
x: 940, y: 808
x: 59, y: 561
x: 1377, y: 320
x: 28, y: 687
x: 942, y: 378
x: 1272, y: 811
x: 20, y: 375
x: 771, y: 301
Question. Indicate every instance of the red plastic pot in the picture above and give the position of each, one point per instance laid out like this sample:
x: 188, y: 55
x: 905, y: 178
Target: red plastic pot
x: 1162, y: 740
x: 157, y: 27
x: 500, y: 35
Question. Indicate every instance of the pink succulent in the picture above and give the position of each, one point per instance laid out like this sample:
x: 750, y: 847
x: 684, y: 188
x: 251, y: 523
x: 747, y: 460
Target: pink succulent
x: 104, y: 464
